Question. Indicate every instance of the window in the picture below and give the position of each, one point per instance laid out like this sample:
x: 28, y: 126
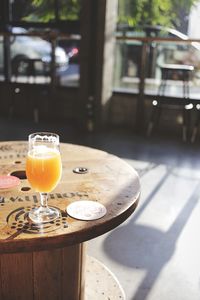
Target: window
x: 34, y: 45
x: 162, y: 31
x: 44, y: 11
x: 1, y: 58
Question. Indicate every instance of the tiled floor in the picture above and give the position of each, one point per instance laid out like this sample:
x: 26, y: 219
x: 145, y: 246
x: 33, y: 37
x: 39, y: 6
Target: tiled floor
x: 155, y: 253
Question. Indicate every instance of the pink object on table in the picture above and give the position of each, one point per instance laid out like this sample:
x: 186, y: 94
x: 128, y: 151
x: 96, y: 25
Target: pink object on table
x: 8, y: 181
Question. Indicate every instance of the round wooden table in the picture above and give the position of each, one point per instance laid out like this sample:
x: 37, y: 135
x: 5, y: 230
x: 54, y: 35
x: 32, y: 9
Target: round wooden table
x: 48, y: 262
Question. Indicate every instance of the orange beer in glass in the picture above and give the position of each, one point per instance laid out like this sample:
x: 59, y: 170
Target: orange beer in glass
x: 43, y: 170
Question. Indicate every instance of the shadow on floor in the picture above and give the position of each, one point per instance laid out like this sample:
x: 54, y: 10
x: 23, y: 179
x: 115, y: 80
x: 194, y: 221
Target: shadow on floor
x: 145, y: 247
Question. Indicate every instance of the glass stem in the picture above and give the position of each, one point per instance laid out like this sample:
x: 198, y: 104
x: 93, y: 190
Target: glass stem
x: 43, y: 200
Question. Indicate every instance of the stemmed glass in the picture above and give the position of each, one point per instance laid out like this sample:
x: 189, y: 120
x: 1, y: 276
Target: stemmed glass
x: 43, y: 170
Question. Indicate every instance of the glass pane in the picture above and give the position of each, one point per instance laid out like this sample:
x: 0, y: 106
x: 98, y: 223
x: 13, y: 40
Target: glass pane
x: 45, y: 10
x: 173, y: 61
x: 71, y: 46
x: 33, y: 10
x: 1, y: 11
x: 127, y: 65
x: 167, y: 13
x: 32, y: 60
x: 31, y: 57
x: 1, y: 59
x: 178, y: 20
x: 158, y: 55
x: 194, y: 21
x: 69, y: 9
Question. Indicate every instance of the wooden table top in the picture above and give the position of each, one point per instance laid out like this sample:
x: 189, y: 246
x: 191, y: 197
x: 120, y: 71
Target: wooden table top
x: 110, y: 181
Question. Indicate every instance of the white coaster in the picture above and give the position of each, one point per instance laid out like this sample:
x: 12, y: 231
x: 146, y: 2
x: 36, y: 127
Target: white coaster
x: 86, y: 210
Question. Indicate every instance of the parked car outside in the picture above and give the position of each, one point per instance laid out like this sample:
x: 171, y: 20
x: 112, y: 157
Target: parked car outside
x: 71, y: 47
x: 24, y: 47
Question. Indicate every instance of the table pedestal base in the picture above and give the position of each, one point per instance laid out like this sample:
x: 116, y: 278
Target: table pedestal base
x: 57, y: 274
x: 100, y: 283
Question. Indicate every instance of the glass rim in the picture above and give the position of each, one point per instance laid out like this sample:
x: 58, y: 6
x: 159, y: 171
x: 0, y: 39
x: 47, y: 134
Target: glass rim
x: 41, y: 134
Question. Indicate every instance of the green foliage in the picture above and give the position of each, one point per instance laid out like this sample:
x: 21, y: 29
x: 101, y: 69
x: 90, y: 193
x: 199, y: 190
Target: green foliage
x: 153, y: 12
x: 70, y: 9
x: 44, y: 10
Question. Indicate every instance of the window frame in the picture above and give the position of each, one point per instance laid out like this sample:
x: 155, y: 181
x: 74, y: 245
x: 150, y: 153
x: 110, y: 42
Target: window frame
x: 63, y: 27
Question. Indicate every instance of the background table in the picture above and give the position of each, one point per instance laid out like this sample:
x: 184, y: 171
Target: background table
x: 49, y: 262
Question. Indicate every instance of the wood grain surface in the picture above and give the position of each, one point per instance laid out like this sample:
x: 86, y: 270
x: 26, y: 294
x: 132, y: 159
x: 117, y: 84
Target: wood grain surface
x: 110, y: 181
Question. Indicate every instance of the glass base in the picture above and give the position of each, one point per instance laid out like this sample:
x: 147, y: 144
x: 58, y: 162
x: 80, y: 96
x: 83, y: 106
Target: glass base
x: 43, y: 215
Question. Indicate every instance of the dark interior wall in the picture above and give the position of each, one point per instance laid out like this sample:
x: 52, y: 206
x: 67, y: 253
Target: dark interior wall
x: 123, y: 113
x: 20, y: 100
